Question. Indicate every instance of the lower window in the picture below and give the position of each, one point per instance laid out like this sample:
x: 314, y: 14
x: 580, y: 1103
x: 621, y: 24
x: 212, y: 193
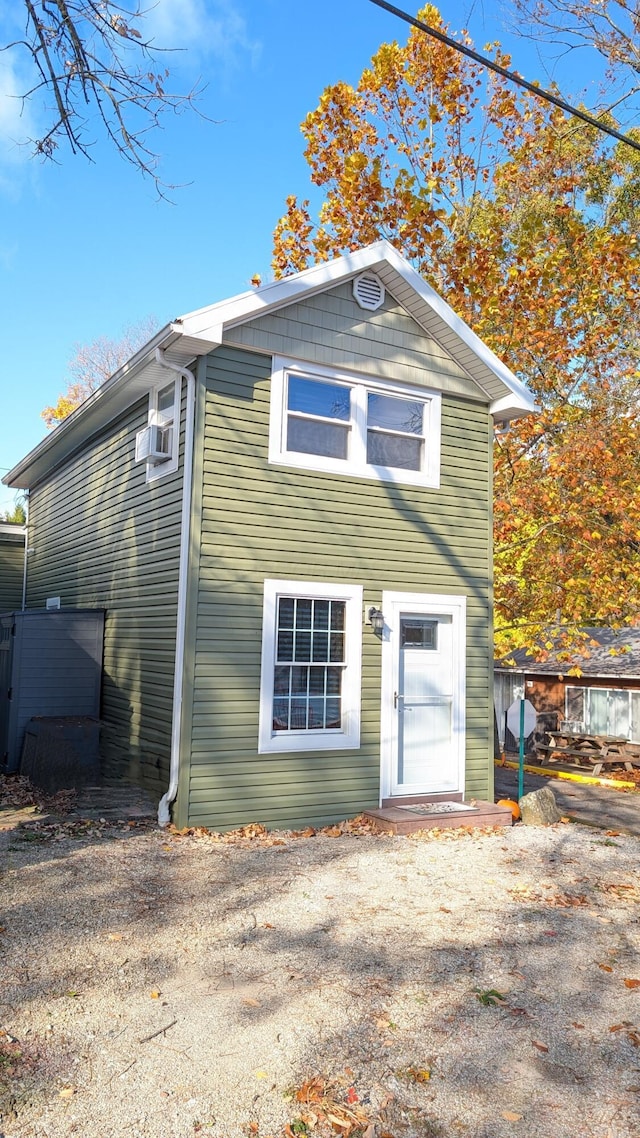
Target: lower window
x: 310, y: 681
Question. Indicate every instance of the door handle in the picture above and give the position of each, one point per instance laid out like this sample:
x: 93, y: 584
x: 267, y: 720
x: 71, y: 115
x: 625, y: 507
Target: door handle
x: 396, y: 696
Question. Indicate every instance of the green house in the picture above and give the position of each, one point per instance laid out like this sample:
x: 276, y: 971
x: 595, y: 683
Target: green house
x: 283, y: 503
x: 11, y: 565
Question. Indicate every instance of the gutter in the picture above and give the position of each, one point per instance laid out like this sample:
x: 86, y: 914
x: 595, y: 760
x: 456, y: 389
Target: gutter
x: 164, y: 812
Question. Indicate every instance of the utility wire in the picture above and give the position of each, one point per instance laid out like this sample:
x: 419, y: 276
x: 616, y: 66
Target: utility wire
x: 510, y: 75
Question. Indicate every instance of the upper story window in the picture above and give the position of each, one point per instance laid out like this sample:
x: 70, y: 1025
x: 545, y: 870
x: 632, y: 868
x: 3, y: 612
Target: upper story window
x: 337, y: 423
x: 157, y: 443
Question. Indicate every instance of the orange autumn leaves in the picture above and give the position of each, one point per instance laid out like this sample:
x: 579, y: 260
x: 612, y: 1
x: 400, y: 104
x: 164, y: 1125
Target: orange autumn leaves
x: 525, y: 222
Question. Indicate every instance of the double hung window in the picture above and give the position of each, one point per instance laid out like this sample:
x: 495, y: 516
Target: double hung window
x: 310, y: 688
x: 329, y: 421
x: 163, y: 430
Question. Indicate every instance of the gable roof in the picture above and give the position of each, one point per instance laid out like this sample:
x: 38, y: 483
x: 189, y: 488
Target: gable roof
x: 199, y: 332
x: 613, y: 652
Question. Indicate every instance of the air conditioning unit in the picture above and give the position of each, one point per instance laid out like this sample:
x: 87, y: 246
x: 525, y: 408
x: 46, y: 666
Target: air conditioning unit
x: 153, y: 444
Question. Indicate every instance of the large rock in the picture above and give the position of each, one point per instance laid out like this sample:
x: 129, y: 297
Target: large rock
x: 539, y: 808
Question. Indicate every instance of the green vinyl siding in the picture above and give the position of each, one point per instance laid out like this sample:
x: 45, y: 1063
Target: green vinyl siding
x: 332, y: 330
x: 102, y: 536
x: 11, y: 571
x: 257, y: 521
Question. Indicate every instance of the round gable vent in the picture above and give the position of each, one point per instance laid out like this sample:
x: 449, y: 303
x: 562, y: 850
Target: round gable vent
x: 368, y: 291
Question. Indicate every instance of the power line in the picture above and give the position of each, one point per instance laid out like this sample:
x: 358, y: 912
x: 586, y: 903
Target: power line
x: 510, y: 75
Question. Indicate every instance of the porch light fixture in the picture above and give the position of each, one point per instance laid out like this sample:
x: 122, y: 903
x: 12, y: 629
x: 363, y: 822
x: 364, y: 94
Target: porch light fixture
x: 376, y: 620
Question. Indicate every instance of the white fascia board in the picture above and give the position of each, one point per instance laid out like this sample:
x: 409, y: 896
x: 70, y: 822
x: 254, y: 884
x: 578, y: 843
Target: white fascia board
x: 261, y: 301
x: 420, y: 300
x: 124, y: 387
x: 514, y: 405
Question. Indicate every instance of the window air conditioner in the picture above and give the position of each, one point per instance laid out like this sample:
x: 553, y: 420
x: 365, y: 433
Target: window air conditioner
x: 152, y: 444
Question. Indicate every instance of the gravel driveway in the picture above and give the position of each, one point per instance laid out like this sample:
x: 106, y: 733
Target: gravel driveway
x: 167, y: 986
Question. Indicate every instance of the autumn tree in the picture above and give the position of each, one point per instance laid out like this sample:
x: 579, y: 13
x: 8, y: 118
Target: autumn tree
x: 92, y: 364
x: 520, y: 218
x: 90, y: 68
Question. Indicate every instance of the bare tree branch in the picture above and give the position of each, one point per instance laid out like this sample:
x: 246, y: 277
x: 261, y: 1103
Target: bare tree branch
x: 95, y: 72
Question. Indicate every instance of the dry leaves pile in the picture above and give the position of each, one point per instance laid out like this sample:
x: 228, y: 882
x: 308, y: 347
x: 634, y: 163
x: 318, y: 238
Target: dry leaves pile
x: 326, y: 1109
x: 558, y: 900
x: 18, y: 793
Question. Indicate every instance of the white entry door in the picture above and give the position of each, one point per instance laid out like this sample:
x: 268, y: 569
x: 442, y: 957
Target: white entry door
x: 423, y: 694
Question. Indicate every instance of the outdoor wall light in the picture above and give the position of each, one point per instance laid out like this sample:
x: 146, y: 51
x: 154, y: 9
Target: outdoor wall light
x: 376, y: 620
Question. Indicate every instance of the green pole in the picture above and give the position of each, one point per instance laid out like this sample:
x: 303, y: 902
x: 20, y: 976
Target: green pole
x: 521, y: 753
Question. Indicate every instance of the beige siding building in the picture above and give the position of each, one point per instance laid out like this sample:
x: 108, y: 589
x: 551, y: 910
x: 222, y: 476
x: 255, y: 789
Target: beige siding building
x: 283, y: 503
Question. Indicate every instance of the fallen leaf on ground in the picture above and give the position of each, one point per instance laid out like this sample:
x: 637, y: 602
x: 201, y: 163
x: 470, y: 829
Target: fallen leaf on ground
x: 632, y: 983
x: 489, y: 997
x: 67, y: 1092
x: 418, y: 1074
x: 249, y: 1003
x: 511, y: 1116
x: 155, y: 994
x: 605, y: 967
x: 540, y: 1046
x: 581, y: 1025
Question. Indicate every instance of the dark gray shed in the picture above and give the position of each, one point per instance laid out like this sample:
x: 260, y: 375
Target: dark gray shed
x: 50, y: 665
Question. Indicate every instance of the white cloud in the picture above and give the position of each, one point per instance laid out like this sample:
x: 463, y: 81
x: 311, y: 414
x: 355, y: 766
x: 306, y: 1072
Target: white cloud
x: 17, y: 123
x: 203, y: 27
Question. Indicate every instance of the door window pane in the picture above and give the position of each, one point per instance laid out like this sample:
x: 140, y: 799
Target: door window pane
x: 618, y: 718
x: 598, y: 711
x: 418, y: 633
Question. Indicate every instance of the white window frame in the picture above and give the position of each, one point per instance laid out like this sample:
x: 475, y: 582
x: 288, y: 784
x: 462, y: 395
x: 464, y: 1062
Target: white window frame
x: 633, y: 727
x: 356, y: 464
x: 346, y: 737
x: 160, y: 469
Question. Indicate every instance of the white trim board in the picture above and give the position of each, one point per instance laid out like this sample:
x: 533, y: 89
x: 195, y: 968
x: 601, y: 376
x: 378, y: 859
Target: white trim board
x: 394, y: 603
x: 346, y: 738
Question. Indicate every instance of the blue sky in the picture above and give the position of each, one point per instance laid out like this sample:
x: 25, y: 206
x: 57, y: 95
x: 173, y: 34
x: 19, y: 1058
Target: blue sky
x: 86, y: 249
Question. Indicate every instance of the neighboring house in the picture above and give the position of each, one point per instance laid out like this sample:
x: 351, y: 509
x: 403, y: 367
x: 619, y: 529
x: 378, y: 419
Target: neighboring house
x: 604, y: 699
x: 238, y: 498
x: 12, y: 539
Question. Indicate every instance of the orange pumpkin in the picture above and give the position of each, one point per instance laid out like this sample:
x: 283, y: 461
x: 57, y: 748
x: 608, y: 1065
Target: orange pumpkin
x: 512, y: 806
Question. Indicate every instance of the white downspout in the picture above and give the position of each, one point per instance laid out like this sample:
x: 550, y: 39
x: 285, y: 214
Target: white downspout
x: 164, y: 815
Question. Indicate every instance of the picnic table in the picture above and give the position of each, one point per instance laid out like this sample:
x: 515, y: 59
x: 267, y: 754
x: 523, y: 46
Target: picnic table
x: 595, y: 751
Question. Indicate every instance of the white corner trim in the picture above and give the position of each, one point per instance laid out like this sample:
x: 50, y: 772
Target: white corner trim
x: 348, y: 738
x: 356, y: 465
